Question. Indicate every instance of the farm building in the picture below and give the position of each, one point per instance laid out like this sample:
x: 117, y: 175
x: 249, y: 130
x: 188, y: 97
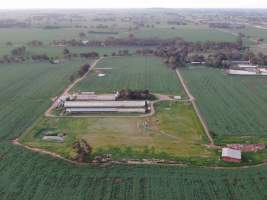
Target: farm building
x: 106, y: 106
x: 198, y: 63
x: 91, y: 110
x: 231, y: 155
x: 241, y: 72
x: 240, y: 62
x: 53, y: 138
x: 244, y: 66
x: 94, y: 97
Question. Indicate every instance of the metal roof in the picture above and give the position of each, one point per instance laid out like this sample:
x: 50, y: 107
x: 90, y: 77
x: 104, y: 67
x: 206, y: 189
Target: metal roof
x: 87, y: 110
x: 104, y: 104
x: 102, y: 97
x: 247, y: 66
x: 231, y: 153
x: 53, y: 138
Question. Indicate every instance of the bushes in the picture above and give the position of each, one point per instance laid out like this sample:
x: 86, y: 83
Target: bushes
x: 83, y: 69
x: 136, y: 95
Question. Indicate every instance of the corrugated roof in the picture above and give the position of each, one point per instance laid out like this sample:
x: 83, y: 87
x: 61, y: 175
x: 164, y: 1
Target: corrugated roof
x: 53, y: 138
x: 247, y: 66
x: 104, y: 104
x: 86, y: 110
x: 102, y: 97
x: 231, y: 153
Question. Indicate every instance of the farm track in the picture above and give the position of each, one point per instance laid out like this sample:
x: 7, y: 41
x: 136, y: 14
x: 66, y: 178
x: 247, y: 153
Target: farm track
x: 192, y: 99
x: 66, y: 91
x: 130, y: 162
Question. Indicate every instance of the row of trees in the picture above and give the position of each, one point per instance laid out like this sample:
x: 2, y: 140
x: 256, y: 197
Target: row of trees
x: 135, y: 95
x: 213, y: 53
x: 111, y: 41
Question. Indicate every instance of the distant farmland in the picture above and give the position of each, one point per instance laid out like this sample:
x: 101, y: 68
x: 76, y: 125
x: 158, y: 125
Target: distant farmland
x: 188, y: 33
x: 137, y: 72
x: 232, y: 105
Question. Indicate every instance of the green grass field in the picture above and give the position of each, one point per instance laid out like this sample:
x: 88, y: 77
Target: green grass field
x: 173, y: 133
x: 255, y: 32
x: 232, y: 105
x: 21, y: 36
x: 25, y: 90
x: 136, y: 72
x: 27, y: 175
x: 188, y: 33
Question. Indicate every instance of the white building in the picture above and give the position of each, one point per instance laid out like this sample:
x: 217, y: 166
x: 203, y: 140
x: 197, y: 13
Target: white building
x: 231, y: 155
x: 246, y: 66
x: 241, y: 72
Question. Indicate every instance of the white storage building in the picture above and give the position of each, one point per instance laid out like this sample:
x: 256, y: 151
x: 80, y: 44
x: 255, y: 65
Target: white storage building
x: 105, y: 104
x: 231, y: 155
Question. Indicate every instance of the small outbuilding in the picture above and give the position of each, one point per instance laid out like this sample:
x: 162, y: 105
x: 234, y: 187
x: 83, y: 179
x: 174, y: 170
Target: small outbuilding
x: 177, y: 97
x: 231, y: 155
x: 53, y: 138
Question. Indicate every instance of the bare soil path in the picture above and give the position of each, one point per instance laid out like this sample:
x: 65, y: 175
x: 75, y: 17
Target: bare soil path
x: 191, y: 97
x: 70, y: 86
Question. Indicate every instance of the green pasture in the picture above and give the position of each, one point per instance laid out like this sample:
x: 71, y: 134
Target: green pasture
x: 173, y: 133
x: 188, y: 33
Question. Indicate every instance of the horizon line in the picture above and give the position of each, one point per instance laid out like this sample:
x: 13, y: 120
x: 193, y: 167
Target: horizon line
x: 134, y: 8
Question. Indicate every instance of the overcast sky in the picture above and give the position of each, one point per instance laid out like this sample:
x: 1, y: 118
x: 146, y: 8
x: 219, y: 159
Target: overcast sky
x: 15, y: 4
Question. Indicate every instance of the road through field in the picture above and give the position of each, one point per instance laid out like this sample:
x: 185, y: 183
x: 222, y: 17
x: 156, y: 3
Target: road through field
x: 192, y: 99
x: 67, y: 89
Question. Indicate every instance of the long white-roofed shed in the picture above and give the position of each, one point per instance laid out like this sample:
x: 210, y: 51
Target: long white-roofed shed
x: 106, y: 104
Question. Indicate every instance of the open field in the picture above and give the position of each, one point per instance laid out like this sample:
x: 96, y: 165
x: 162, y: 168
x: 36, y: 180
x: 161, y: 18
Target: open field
x: 188, y: 33
x: 25, y: 90
x: 35, y: 176
x: 232, y: 105
x: 136, y: 73
x: 255, y: 32
x: 174, y: 132
x: 21, y: 36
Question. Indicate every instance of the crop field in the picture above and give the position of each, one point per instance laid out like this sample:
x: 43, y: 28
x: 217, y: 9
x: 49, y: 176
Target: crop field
x: 255, y: 32
x: 26, y: 175
x: 188, y: 33
x: 25, y: 90
x: 232, y: 105
x: 21, y: 36
x: 136, y: 73
x: 174, y: 132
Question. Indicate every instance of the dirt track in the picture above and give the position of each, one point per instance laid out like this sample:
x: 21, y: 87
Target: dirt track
x: 67, y: 89
x: 191, y: 97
